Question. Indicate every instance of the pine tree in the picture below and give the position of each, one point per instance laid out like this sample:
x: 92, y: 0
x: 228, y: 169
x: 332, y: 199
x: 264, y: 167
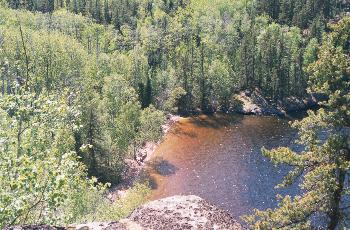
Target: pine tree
x: 107, y: 15
x: 324, y: 163
x: 147, y: 98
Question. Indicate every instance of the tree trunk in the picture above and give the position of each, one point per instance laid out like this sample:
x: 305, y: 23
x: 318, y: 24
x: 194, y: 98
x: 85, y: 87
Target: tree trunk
x: 91, y: 142
x: 335, y: 212
x: 25, y: 54
x: 203, y: 96
x: 3, y: 82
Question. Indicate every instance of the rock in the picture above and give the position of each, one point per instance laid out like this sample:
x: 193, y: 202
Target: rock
x: 175, y: 213
x: 254, y: 103
x: 34, y: 227
x: 183, y: 212
x: 99, y: 226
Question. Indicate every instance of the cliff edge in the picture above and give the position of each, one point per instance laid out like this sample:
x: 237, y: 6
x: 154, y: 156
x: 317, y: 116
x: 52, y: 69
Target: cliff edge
x: 176, y: 213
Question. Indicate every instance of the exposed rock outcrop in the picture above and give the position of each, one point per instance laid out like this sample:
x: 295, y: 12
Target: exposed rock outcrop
x: 175, y: 213
x: 254, y: 103
x: 183, y: 212
x: 35, y: 227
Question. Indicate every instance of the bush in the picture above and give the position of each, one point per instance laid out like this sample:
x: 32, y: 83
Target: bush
x: 39, y: 171
x: 91, y: 206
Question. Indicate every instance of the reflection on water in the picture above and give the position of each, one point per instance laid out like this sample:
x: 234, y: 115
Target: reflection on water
x: 219, y: 159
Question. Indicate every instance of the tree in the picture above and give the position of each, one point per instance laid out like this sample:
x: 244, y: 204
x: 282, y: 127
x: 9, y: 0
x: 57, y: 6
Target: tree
x: 147, y: 94
x: 324, y: 163
x: 222, y: 83
x: 310, y: 54
x: 107, y: 14
x: 174, y: 100
x: 151, y: 121
x: 39, y: 170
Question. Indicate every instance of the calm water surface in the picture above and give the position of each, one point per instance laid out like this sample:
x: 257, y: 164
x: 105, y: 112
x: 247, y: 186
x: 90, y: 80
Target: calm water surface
x: 218, y: 158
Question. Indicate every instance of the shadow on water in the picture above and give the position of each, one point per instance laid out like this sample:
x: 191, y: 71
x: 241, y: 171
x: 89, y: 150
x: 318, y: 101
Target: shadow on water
x: 162, y: 167
x: 178, y: 131
x: 219, y: 159
x: 157, y: 167
x: 203, y: 121
x: 216, y: 122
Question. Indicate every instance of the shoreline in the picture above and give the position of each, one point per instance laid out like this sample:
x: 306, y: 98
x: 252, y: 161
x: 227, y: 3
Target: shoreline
x: 135, y: 169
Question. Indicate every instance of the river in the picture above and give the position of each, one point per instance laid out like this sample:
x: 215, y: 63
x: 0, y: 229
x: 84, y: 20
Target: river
x: 218, y: 158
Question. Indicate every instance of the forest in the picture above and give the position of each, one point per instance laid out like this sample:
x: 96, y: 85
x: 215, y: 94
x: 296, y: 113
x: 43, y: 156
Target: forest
x: 85, y: 83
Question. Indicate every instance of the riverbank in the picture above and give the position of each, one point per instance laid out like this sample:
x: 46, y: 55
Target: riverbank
x: 218, y: 158
x: 176, y: 213
x: 248, y: 102
x: 253, y: 102
x: 134, y: 170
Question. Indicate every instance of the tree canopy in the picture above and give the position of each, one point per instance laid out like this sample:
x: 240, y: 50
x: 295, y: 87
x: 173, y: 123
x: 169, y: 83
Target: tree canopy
x: 324, y: 164
x: 86, y: 83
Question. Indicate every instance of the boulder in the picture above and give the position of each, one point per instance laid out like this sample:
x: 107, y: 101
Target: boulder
x: 175, y: 213
x: 35, y: 227
x: 254, y: 103
x: 183, y: 212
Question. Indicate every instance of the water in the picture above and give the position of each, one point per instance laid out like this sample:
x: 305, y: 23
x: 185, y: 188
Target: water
x: 218, y: 158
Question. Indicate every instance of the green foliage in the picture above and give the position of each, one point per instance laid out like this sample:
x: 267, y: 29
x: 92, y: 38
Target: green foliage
x: 173, y: 101
x: 222, y: 82
x: 310, y: 54
x: 302, y: 13
x: 114, y: 126
x: 3, y: 3
x: 93, y: 36
x: 91, y: 206
x: 41, y: 59
x: 167, y: 45
x: 45, y: 129
x: 325, y: 162
x: 39, y: 168
x: 330, y: 74
x: 122, y: 60
x: 150, y: 129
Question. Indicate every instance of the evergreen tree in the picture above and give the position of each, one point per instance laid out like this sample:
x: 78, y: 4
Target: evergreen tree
x: 147, y: 98
x: 107, y: 15
x: 325, y: 162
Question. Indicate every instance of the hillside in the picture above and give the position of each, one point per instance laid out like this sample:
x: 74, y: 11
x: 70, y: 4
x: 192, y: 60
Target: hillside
x: 86, y: 85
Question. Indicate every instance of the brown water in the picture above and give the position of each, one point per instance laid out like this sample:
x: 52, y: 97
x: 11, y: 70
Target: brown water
x: 219, y: 159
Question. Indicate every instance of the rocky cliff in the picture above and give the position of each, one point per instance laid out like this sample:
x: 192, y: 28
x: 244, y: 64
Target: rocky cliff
x: 175, y: 213
x: 255, y: 103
